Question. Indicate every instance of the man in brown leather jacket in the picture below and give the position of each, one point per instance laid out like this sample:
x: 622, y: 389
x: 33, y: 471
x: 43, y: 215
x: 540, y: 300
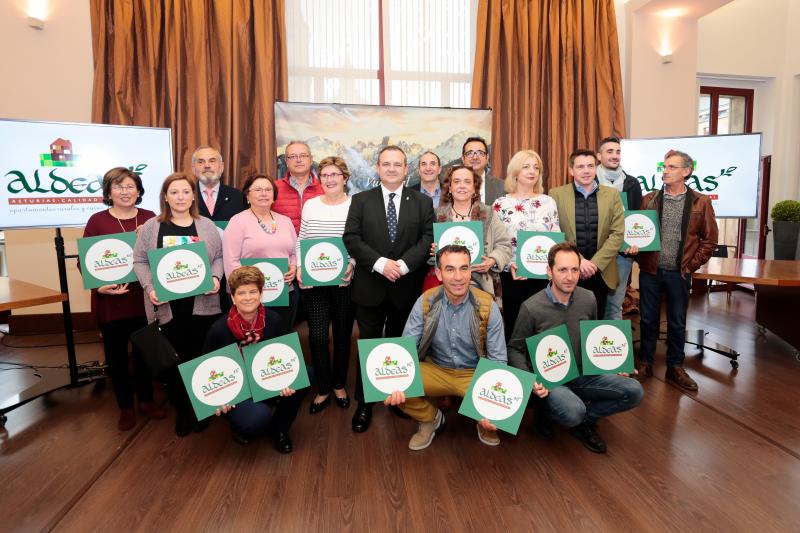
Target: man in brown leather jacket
x: 688, y: 238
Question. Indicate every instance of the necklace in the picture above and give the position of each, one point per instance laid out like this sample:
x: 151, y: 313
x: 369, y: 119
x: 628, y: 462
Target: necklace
x: 459, y: 215
x: 273, y: 225
x: 135, y: 221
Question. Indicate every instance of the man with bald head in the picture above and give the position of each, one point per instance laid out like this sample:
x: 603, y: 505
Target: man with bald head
x: 216, y: 201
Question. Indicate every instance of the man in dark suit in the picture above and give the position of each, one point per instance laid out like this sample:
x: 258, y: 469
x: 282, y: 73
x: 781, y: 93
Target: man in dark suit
x: 389, y: 231
x: 216, y: 201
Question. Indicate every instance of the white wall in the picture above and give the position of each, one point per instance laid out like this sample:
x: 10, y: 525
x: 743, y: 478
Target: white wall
x: 749, y: 39
x: 47, y: 76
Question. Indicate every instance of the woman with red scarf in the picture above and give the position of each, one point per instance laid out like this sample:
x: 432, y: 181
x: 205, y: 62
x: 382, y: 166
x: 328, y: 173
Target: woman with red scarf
x: 249, y: 322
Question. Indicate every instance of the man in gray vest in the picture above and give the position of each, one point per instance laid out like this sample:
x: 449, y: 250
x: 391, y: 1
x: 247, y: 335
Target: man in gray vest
x: 454, y: 326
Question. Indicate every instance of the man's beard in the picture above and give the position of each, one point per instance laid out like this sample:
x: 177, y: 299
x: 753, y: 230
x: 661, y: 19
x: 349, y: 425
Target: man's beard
x: 210, y: 181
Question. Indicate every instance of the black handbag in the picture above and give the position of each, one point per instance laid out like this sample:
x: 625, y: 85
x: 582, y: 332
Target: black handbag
x: 157, y: 352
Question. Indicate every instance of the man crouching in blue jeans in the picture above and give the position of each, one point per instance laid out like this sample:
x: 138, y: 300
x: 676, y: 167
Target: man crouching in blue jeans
x: 580, y: 403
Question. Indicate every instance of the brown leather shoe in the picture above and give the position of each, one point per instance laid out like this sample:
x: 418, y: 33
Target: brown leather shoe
x: 644, y: 371
x: 678, y: 375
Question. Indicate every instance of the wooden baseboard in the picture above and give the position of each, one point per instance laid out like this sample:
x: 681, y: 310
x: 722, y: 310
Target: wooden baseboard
x: 49, y: 323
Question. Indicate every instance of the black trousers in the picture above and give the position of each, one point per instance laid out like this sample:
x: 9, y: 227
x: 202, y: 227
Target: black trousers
x: 515, y: 292
x: 116, y: 335
x: 186, y: 333
x: 600, y: 291
x: 374, y: 322
x: 329, y: 307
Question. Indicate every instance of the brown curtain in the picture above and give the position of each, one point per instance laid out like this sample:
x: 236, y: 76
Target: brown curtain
x: 549, y: 69
x: 209, y: 69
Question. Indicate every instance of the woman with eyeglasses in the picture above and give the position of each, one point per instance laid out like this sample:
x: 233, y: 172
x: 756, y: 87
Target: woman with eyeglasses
x: 461, y: 202
x: 525, y: 207
x: 119, y: 308
x: 259, y: 232
x: 325, y: 216
x: 180, y: 223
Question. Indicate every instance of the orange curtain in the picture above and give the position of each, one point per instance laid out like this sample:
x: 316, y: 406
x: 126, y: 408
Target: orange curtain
x: 209, y: 69
x: 549, y: 69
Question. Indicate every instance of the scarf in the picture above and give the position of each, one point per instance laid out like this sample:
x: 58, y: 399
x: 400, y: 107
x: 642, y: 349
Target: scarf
x: 246, y: 332
x: 611, y: 178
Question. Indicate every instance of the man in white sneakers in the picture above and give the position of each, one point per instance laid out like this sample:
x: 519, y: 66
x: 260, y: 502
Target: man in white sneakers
x: 454, y: 326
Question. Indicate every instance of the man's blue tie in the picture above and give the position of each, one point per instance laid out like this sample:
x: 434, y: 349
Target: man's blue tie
x: 391, y: 218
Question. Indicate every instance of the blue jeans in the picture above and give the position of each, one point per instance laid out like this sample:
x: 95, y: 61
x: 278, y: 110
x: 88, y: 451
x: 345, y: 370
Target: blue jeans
x: 676, y: 288
x: 617, y: 296
x: 606, y: 395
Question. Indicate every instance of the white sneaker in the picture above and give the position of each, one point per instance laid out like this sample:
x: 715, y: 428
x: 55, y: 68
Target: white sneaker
x: 425, y: 433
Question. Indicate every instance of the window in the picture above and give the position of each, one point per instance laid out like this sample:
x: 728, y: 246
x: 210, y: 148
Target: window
x: 723, y: 110
x: 397, y: 52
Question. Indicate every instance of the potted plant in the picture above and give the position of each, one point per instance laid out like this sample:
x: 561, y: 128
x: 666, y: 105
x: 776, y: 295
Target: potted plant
x: 786, y: 227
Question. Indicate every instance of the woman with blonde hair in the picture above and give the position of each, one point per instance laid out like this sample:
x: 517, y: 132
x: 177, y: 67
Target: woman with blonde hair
x: 525, y: 207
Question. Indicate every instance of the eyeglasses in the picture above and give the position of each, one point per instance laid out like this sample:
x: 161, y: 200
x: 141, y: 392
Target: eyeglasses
x: 475, y: 153
x: 298, y: 157
x: 259, y: 190
x: 125, y: 188
x: 672, y: 167
x: 330, y: 176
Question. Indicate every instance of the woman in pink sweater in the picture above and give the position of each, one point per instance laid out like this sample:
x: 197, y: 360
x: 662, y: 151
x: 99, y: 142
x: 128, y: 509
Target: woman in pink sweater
x: 259, y: 232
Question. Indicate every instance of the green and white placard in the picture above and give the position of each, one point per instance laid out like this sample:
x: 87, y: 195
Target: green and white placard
x: 324, y: 261
x: 221, y: 225
x: 551, y: 356
x: 275, y: 293
x: 274, y: 365
x: 532, y: 249
x: 498, y: 393
x: 469, y: 234
x: 107, y: 259
x: 215, y: 379
x: 606, y: 346
x: 180, y: 271
x: 643, y: 230
x: 389, y: 365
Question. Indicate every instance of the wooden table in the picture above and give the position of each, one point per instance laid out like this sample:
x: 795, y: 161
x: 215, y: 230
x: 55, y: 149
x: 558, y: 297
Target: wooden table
x: 15, y: 294
x: 777, y: 291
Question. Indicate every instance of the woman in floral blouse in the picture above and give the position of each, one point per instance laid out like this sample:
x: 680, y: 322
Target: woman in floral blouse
x: 524, y: 208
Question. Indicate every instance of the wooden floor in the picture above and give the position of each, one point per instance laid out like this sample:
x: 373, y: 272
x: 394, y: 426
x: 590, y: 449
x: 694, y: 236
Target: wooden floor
x: 724, y: 459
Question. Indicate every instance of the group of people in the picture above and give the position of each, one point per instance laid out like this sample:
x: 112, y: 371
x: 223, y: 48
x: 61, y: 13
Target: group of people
x: 388, y: 233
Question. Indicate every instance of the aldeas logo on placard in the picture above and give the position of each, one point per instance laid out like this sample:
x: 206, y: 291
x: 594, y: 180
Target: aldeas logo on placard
x: 458, y: 241
x: 537, y: 255
x: 60, y: 155
x: 276, y: 367
x: 182, y: 271
x: 390, y: 369
x: 270, y: 284
x: 607, y: 348
x: 111, y: 259
x: 498, y: 395
x: 638, y: 230
x: 218, y: 381
x: 553, y: 359
x: 324, y: 262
